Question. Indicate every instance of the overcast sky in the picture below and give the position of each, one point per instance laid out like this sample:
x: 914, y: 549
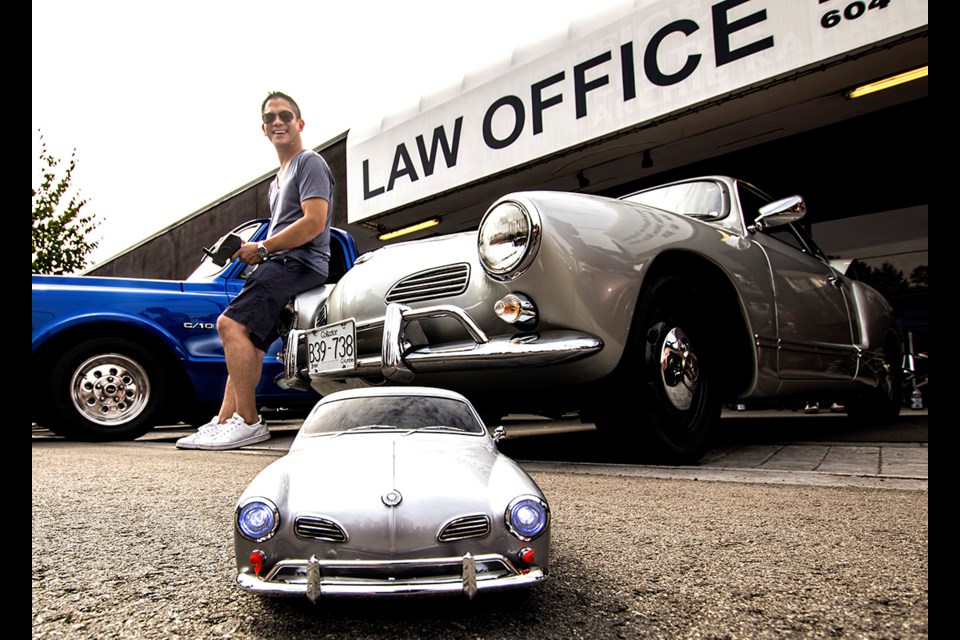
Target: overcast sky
x: 161, y: 100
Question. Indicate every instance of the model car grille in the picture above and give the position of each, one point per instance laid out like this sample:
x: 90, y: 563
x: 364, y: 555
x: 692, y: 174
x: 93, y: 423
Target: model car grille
x: 450, y: 280
x: 466, y: 527
x: 318, y: 529
x: 356, y: 573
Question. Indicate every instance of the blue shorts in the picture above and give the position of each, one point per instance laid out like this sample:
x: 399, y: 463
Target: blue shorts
x: 266, y: 292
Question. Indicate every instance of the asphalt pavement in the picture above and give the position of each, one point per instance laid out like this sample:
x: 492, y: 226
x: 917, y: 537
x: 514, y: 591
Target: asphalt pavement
x: 766, y: 446
x: 776, y: 447
x: 134, y: 540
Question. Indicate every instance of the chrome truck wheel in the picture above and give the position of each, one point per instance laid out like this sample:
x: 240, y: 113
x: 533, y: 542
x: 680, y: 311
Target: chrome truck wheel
x: 105, y: 389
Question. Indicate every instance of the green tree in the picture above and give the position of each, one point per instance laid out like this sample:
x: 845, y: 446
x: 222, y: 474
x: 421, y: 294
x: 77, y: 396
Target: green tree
x: 920, y: 277
x: 61, y: 233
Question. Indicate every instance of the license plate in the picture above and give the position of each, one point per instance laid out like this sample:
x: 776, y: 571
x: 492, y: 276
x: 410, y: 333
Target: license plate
x: 332, y: 348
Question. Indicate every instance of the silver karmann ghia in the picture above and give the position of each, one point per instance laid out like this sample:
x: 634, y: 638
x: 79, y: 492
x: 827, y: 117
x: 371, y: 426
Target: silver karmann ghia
x: 643, y: 314
x: 391, y: 491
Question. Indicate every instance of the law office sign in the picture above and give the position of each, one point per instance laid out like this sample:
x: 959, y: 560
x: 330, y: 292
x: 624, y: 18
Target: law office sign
x: 657, y: 60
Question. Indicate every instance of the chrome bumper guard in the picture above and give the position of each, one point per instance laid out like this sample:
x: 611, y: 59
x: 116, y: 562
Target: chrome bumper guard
x: 317, y: 578
x: 400, y: 362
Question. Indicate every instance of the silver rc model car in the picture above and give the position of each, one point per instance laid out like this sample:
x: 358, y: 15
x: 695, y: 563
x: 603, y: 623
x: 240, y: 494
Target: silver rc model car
x: 391, y: 491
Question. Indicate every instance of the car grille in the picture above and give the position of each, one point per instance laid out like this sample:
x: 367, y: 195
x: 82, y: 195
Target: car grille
x: 466, y: 527
x: 450, y: 280
x: 318, y: 529
x: 320, y: 318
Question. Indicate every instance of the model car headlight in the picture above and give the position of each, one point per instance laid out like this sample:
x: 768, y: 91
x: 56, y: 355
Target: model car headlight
x: 257, y: 519
x: 508, y: 239
x: 527, y: 517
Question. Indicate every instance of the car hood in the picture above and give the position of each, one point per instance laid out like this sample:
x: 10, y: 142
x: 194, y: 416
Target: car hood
x: 362, y: 468
x: 390, y: 493
x: 97, y: 282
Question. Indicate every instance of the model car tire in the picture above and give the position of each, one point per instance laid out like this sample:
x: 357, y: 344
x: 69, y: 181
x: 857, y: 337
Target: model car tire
x: 105, y: 389
x: 668, y: 399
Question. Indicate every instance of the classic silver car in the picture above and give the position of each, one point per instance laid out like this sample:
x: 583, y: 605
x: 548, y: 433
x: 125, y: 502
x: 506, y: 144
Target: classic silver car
x: 643, y: 314
x: 391, y: 491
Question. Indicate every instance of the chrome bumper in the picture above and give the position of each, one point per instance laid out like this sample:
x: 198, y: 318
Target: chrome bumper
x: 316, y: 578
x: 401, y: 362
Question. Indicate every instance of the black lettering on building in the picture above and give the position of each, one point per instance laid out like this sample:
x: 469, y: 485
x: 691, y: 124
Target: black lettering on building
x: 519, y: 116
x: 402, y: 166
x: 629, y: 74
x: 580, y: 84
x: 450, y: 151
x: 650, y: 65
x: 722, y: 30
x: 538, y: 103
x: 367, y: 191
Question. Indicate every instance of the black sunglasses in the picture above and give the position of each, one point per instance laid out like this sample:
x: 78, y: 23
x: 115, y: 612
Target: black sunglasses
x: 270, y: 116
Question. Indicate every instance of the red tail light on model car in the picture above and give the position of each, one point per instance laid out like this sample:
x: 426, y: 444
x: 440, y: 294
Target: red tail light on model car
x: 526, y: 554
x: 256, y: 560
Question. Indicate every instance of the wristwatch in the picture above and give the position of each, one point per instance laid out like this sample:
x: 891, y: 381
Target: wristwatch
x: 262, y: 251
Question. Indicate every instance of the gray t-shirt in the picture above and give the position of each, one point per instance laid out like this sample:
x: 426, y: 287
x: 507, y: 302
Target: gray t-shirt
x: 307, y: 176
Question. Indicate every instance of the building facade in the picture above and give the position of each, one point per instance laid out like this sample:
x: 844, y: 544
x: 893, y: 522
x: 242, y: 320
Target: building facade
x: 659, y: 90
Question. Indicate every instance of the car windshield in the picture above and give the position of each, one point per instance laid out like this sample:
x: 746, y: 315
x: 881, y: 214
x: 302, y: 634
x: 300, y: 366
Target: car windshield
x: 702, y: 200
x: 208, y: 268
x: 396, y: 413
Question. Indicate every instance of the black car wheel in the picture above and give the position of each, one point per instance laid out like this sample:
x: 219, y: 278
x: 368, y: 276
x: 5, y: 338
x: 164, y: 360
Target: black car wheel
x: 105, y: 389
x: 881, y: 405
x: 667, y: 401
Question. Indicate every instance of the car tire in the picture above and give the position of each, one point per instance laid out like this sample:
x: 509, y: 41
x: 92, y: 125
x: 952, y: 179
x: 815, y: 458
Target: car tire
x: 667, y: 395
x: 105, y: 389
x: 881, y: 405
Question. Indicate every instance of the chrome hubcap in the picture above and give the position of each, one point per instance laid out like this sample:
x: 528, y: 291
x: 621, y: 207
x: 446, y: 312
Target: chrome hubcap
x: 679, y: 369
x: 110, y: 389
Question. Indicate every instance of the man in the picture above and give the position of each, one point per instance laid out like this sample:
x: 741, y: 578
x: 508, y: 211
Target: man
x: 294, y: 257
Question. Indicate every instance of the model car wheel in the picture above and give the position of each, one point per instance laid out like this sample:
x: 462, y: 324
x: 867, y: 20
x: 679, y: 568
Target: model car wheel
x: 105, y: 389
x: 667, y: 400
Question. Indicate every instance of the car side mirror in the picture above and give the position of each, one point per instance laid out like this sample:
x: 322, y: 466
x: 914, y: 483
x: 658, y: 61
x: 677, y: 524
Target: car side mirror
x: 499, y: 434
x: 780, y: 212
x: 224, y: 249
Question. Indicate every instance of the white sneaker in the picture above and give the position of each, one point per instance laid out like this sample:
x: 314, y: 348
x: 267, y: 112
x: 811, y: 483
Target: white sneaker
x: 190, y: 441
x: 233, y: 433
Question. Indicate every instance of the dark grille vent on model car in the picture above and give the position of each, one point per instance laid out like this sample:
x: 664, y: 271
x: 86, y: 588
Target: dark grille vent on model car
x: 318, y: 529
x: 466, y: 527
x: 441, y: 282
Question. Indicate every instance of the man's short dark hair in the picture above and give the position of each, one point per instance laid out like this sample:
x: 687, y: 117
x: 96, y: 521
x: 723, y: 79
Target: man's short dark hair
x: 282, y: 96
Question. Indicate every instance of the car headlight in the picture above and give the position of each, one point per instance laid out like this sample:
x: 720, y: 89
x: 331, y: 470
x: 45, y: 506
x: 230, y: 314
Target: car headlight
x: 508, y: 239
x: 527, y: 517
x: 257, y: 519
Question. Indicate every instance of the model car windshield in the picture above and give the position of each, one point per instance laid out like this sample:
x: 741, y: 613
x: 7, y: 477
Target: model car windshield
x: 395, y: 413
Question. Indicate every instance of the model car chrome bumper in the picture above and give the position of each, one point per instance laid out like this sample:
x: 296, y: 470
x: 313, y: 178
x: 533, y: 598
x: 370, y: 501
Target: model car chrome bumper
x: 400, y: 362
x: 317, y: 578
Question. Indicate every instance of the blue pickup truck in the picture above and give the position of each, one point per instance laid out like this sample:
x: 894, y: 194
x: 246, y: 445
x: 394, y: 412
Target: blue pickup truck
x: 114, y: 357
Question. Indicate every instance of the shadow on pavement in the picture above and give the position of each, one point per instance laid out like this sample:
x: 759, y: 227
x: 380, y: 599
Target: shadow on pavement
x: 582, y: 443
